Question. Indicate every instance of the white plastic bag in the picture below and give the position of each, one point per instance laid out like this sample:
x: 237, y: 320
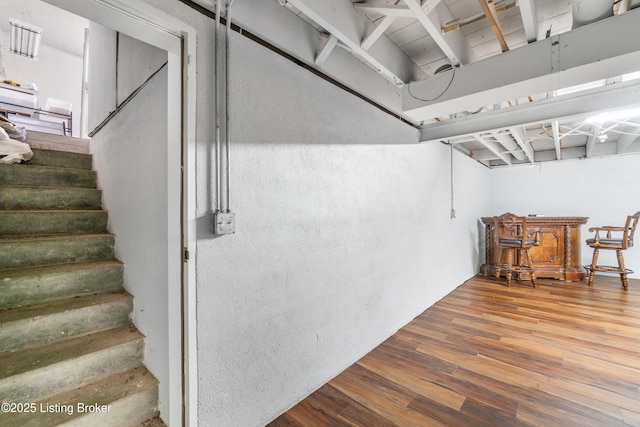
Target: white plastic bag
x: 12, y: 150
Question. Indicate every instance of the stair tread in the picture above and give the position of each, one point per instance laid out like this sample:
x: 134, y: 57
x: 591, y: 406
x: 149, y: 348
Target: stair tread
x: 49, y: 237
x: 44, y: 211
x: 47, y: 187
x: 29, y: 197
x: 63, y: 143
x: 22, y: 223
x: 52, y: 176
x: 54, y: 249
x: 47, y: 167
x: 42, y: 157
x: 61, y: 305
x: 23, y: 286
x: 49, y: 269
x: 32, y: 358
x: 103, y: 392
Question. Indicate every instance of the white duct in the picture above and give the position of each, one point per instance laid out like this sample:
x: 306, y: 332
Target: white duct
x: 588, y: 11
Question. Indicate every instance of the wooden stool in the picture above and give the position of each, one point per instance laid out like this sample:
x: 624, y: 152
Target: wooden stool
x: 617, y: 239
x: 511, y: 235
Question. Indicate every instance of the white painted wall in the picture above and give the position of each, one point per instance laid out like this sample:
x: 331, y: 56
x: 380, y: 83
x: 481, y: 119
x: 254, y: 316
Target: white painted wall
x: 56, y: 73
x: 118, y: 65
x: 130, y: 155
x: 102, y: 74
x: 343, y: 236
x: 604, y: 189
x: 137, y: 61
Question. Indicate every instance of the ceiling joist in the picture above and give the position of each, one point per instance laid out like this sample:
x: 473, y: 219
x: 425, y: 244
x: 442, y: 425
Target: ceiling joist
x: 489, y: 9
x: 433, y: 16
x: 377, y: 32
x: 494, y: 147
x: 529, y: 19
x: 518, y: 134
x: 328, y: 43
x: 613, y: 97
x: 555, y: 130
x: 341, y: 19
x: 592, y: 52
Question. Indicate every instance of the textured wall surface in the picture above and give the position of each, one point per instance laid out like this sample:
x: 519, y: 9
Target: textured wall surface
x: 343, y: 236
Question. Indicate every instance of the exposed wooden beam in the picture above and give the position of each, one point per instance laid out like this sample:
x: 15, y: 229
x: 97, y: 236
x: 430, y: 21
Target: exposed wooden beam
x: 330, y: 41
x: 377, y: 32
x: 529, y: 19
x: 436, y: 14
x: 591, y: 141
x: 492, y: 146
x: 555, y: 130
x: 519, y: 135
x: 592, y: 52
x: 459, y: 23
x: 489, y: 10
x: 398, y: 11
x: 341, y: 19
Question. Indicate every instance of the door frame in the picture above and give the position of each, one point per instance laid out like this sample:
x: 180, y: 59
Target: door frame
x: 150, y: 25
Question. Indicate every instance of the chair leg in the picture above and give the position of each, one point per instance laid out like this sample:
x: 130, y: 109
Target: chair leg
x: 509, y: 266
x: 532, y: 274
x: 592, y: 269
x: 623, y: 271
x: 499, y: 261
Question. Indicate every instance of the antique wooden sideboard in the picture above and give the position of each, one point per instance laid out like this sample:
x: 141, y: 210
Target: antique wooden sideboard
x: 558, y: 254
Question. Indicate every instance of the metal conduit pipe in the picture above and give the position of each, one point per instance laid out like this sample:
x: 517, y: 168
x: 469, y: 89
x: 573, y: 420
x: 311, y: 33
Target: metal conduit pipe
x: 227, y: 132
x: 217, y: 108
x: 223, y: 218
x: 507, y: 141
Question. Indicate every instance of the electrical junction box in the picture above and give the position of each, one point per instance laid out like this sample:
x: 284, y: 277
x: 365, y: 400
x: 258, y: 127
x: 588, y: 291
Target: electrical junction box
x: 224, y: 223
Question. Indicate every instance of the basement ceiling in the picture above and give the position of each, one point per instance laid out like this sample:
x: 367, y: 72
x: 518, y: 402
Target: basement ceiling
x: 506, y: 82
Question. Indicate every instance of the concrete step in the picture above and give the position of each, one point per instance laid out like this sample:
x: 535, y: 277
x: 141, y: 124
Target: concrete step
x: 50, y: 321
x: 51, y: 198
x: 42, y: 222
x: 52, y: 250
x: 61, y: 159
x: 125, y: 399
x: 25, y: 174
x: 38, y: 373
x: 33, y: 285
x: 47, y: 141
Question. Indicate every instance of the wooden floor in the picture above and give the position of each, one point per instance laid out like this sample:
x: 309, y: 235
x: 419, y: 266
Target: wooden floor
x: 563, y: 354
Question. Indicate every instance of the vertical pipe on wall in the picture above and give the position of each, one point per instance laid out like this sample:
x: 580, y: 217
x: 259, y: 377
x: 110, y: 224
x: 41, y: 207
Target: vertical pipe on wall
x: 227, y: 163
x: 217, y: 108
x: 453, y: 210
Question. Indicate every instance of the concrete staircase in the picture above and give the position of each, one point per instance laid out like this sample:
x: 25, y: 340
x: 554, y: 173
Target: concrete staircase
x: 68, y: 350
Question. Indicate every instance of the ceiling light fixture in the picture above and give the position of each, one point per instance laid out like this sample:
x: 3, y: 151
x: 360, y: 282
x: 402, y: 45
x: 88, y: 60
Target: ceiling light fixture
x: 24, y: 38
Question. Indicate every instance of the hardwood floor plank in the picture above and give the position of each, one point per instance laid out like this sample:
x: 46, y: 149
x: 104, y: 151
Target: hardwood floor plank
x: 414, y: 378
x: 286, y: 420
x: 358, y: 381
x: 561, y: 354
x: 320, y: 409
x: 358, y: 415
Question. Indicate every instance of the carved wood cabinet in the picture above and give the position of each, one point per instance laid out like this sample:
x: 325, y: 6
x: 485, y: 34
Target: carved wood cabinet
x: 557, y: 256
